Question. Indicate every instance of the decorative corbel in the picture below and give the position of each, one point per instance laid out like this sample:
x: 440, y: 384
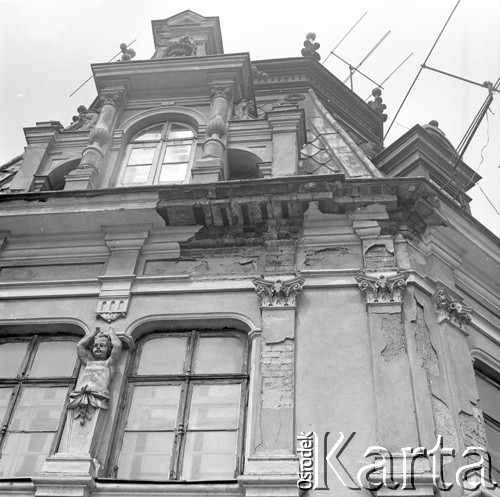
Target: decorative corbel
x: 384, y: 288
x: 278, y: 293
x: 451, y: 308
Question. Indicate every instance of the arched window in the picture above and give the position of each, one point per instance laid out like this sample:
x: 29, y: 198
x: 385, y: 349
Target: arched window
x: 185, y: 413
x: 36, y: 376
x: 158, y: 154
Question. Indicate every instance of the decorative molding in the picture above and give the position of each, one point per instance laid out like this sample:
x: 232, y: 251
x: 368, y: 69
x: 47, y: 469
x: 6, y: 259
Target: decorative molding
x: 383, y: 289
x: 451, y: 308
x: 221, y: 91
x: 110, y: 310
x: 278, y: 293
x: 114, y: 98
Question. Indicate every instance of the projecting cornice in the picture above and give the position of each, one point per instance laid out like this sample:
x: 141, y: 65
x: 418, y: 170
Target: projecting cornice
x: 176, y: 76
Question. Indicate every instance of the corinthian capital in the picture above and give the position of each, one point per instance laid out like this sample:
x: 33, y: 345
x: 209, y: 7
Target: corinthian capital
x: 221, y: 91
x: 114, y: 98
x: 452, y: 308
x: 278, y: 293
x: 383, y: 289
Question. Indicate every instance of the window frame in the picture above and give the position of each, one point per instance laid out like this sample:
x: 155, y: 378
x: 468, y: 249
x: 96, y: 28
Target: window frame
x: 22, y: 381
x: 186, y: 380
x: 161, y: 145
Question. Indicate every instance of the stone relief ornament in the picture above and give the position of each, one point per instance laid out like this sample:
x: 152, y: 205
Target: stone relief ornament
x: 451, y: 308
x: 278, y: 293
x: 221, y: 91
x: 99, y: 353
x: 243, y: 110
x: 111, y: 310
x: 183, y: 47
x: 110, y: 98
x: 85, y: 119
x: 384, y: 288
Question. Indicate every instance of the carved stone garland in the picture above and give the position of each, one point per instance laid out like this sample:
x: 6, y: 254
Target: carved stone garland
x: 383, y: 289
x: 278, y: 293
x: 451, y: 308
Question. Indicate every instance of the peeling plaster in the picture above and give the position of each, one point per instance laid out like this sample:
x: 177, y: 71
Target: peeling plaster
x: 394, y: 336
x: 444, y: 425
x: 425, y: 350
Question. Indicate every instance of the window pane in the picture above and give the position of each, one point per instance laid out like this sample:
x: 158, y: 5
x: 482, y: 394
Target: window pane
x: 5, y: 394
x: 11, y: 358
x: 493, y: 437
x: 55, y: 358
x: 24, y: 453
x: 135, y: 175
x: 173, y: 172
x: 39, y: 409
x: 179, y: 132
x: 146, y: 456
x: 154, y: 407
x: 150, y: 134
x: 209, y: 456
x: 177, y: 153
x: 214, y: 407
x: 219, y: 355
x: 143, y: 155
x: 163, y: 355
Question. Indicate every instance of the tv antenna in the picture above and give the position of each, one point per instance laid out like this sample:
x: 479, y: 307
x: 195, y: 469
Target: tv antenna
x: 110, y: 60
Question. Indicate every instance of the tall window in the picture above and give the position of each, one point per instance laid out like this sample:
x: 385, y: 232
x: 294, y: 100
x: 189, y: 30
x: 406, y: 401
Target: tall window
x: 36, y: 376
x: 185, y: 413
x: 159, y: 154
x: 489, y: 396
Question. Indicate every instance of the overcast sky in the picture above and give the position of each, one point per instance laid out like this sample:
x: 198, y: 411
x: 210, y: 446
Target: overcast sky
x: 47, y: 46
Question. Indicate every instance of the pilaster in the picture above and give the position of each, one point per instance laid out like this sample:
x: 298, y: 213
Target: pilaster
x: 289, y: 135
x: 392, y: 380
x: 124, y: 243
x: 271, y: 459
x: 40, y: 139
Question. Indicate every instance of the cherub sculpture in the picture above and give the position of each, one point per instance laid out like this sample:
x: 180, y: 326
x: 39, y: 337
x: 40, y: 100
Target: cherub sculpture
x: 99, y: 353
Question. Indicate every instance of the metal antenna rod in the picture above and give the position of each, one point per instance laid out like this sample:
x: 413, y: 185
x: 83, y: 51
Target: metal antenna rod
x: 483, y: 85
x: 390, y: 75
x: 86, y: 81
x: 354, y: 69
x: 362, y: 73
x: 421, y: 69
x: 345, y: 36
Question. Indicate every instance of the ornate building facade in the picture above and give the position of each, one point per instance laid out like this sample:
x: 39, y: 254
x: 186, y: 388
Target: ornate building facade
x: 263, y: 272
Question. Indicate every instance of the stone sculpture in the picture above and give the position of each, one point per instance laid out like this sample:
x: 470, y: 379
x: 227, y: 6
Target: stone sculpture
x: 99, y: 353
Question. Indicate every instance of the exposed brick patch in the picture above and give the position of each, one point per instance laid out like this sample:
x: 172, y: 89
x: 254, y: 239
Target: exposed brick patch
x: 277, y: 374
x: 312, y: 257
x: 425, y: 350
x: 394, y: 336
x: 378, y: 257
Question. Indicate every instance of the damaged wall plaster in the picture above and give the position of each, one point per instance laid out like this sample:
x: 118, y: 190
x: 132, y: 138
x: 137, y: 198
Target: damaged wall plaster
x: 394, y: 336
x: 425, y: 350
x: 277, y: 374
